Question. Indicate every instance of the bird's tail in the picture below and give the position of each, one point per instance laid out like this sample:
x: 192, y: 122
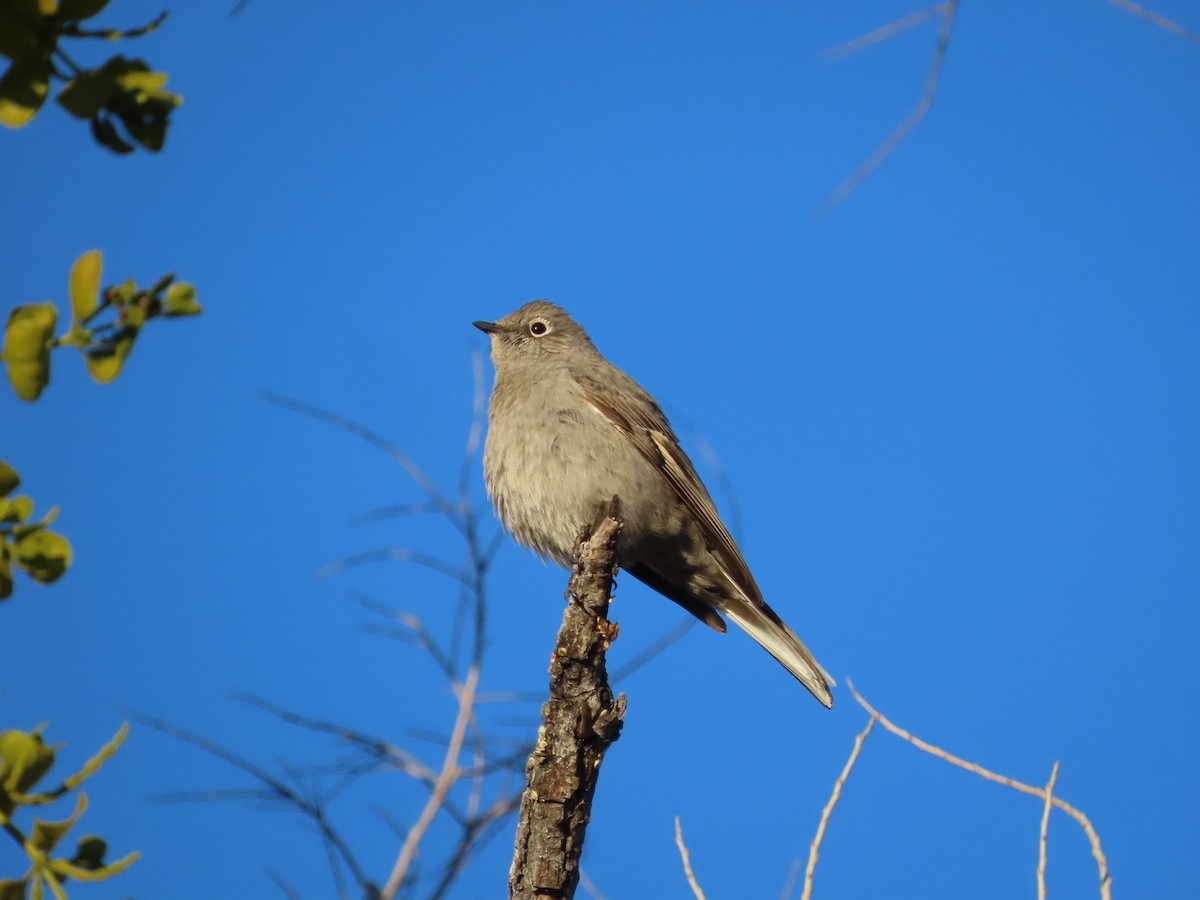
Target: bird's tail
x: 773, y: 635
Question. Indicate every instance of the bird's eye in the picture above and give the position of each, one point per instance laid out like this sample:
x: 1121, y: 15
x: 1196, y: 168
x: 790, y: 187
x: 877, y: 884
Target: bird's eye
x: 538, y: 328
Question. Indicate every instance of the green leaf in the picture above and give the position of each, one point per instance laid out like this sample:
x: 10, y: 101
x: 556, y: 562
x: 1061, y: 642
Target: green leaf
x: 84, y: 284
x: 14, y: 890
x: 24, y: 759
x: 105, y: 361
x: 46, y: 835
x: 89, y: 852
x: 44, y: 555
x: 6, y: 578
x: 23, y: 89
x: 181, y: 300
x: 18, y: 28
x: 9, y: 479
x: 88, y: 92
x: 147, y: 125
x: 75, y: 10
x: 102, y: 756
x: 105, y: 134
x: 16, y: 509
x: 26, y: 353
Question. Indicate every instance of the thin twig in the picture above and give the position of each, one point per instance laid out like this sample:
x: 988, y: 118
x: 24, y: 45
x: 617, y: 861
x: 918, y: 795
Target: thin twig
x: 1084, y: 822
x: 906, y: 126
x: 1041, y: 870
x: 394, y: 554
x: 446, y: 779
x: 655, y: 649
x: 589, y: 886
x: 71, y: 29
x: 278, y: 791
x: 884, y: 32
x: 814, y: 851
x: 376, y: 440
x: 793, y: 874
x: 687, y: 861
x: 1155, y: 18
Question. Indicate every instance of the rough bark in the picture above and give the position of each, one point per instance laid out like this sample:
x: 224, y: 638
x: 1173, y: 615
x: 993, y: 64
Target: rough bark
x: 579, y: 722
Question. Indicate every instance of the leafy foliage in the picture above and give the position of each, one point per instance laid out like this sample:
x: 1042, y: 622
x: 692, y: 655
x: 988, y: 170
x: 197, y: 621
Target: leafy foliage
x: 124, y: 92
x: 104, y: 325
x: 40, y: 553
x: 25, y: 759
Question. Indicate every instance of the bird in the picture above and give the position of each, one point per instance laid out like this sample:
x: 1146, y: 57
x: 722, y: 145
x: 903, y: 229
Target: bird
x: 568, y: 430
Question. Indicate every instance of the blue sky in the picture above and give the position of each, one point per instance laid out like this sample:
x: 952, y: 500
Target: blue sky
x: 957, y: 418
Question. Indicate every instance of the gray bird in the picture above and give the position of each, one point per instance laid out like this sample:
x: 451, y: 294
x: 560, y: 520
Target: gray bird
x: 566, y: 431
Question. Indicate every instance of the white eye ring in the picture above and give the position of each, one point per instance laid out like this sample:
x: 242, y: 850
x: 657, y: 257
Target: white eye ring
x: 539, y: 327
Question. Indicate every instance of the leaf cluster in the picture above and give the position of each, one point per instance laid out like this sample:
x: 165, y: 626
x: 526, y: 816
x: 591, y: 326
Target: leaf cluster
x: 25, y: 759
x: 124, y: 92
x: 40, y: 553
x: 104, y: 325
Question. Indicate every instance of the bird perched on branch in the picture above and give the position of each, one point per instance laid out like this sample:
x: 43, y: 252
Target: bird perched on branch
x: 568, y: 430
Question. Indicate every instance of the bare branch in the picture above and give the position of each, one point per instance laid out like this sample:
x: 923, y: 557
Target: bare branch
x: 687, y: 861
x: 948, y: 10
x: 1041, y: 870
x: 1156, y: 19
x: 446, y: 779
x: 1084, y: 822
x: 579, y: 723
x: 814, y: 851
x: 277, y: 791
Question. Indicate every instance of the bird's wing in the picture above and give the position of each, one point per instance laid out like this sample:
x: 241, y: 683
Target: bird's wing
x: 635, y: 413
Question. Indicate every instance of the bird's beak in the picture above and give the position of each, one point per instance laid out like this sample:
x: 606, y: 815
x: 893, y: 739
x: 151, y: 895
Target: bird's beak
x: 487, y: 327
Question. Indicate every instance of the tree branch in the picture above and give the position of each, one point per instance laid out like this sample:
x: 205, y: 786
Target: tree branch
x: 579, y: 722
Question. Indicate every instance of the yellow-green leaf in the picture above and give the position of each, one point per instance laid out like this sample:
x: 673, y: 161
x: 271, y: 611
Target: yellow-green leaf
x: 46, y: 835
x: 24, y: 759
x: 43, y: 555
x: 9, y: 479
x: 26, y: 353
x: 85, y: 284
x: 23, y: 89
x: 102, y: 756
x: 13, y: 890
x: 138, y: 82
x: 80, y: 873
x: 16, y: 509
x: 104, y: 363
x: 181, y: 300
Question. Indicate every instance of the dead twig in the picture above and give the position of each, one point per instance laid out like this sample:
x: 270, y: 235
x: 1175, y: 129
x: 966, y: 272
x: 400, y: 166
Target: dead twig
x: 1041, y: 870
x: 446, y: 779
x: 1084, y: 822
x: 814, y: 850
x: 1156, y: 19
x: 885, y: 32
x: 948, y: 11
x: 687, y: 861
